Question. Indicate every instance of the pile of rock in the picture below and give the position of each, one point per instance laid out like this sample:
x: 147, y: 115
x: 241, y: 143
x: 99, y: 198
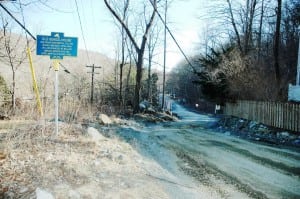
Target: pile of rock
x: 256, y: 131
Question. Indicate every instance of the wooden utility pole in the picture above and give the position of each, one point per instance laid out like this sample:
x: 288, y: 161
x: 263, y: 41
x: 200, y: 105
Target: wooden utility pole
x: 165, y: 48
x: 92, y: 86
x: 298, y: 65
x: 277, y: 45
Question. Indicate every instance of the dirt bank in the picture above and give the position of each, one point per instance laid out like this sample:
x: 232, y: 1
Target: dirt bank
x: 36, y: 163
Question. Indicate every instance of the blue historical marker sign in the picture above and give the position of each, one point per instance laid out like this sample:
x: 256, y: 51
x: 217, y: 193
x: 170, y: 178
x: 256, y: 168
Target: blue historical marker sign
x: 57, y: 45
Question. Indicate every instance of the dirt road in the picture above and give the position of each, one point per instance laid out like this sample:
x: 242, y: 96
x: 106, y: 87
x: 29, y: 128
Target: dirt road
x: 202, y: 163
x: 181, y: 160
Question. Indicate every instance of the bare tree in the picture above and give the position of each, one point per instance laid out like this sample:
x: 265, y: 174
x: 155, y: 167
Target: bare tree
x: 259, y: 39
x: 132, y: 59
x: 14, y: 54
x: 247, y: 15
x: 234, y: 25
x: 151, y: 46
x: 250, y: 11
x: 123, y: 45
x: 140, y: 49
x: 262, y: 37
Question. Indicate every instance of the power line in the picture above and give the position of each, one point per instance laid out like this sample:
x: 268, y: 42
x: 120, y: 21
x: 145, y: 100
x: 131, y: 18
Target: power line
x: 16, y: 20
x: 53, y: 8
x: 169, y: 31
x: 82, y: 31
x: 94, y: 23
x: 27, y: 31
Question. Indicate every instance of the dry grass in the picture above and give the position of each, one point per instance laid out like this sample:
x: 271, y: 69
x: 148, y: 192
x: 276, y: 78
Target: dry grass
x: 26, y: 149
x: 71, y: 163
x: 70, y: 111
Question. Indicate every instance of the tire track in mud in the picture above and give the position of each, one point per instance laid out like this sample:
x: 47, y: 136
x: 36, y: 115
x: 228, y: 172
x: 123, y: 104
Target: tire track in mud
x: 182, y: 141
x: 193, y: 163
x: 206, y: 174
x: 286, y: 154
x: 289, y: 170
x: 286, y: 169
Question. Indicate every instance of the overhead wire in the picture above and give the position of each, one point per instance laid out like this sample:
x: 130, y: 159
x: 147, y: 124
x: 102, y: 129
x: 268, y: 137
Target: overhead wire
x: 34, y: 38
x: 174, y: 39
x: 16, y: 20
x: 54, y: 9
x: 26, y: 30
x: 94, y: 23
x: 84, y: 41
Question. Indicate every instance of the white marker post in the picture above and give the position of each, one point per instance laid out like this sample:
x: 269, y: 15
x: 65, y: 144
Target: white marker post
x: 56, y: 68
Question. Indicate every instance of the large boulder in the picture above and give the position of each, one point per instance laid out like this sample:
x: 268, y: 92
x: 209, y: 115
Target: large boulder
x: 104, y: 119
x: 95, y: 134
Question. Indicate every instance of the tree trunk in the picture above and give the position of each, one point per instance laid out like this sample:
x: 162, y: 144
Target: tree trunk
x: 235, y: 28
x: 139, y: 72
x: 121, y: 68
x: 260, y: 29
x: 127, y: 89
x: 123, y: 52
x: 13, y: 96
x: 139, y: 50
x: 276, y: 46
x: 121, y: 83
x: 248, y: 35
x: 149, y: 78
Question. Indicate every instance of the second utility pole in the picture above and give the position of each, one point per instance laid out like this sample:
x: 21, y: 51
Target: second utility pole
x: 93, y: 72
x: 165, y: 57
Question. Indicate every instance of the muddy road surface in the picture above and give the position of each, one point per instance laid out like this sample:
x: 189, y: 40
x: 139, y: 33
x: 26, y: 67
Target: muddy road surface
x: 201, y: 163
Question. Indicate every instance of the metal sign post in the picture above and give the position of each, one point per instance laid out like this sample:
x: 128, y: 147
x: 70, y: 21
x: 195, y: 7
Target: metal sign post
x: 56, y: 68
x: 56, y: 46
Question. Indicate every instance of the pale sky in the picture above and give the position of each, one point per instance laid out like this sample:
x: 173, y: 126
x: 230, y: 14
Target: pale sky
x: 98, y: 27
